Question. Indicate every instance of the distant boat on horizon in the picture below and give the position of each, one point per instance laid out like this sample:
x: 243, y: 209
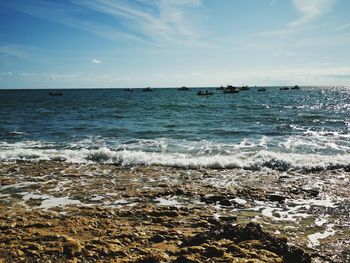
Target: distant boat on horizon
x: 230, y: 89
x: 206, y: 93
x: 295, y: 87
x: 147, y: 89
x: 284, y: 88
x: 51, y: 93
x: 129, y: 89
x: 183, y: 88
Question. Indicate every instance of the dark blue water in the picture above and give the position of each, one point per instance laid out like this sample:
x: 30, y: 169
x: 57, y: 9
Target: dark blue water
x: 292, y: 129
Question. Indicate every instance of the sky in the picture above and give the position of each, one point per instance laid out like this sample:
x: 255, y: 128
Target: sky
x: 171, y: 43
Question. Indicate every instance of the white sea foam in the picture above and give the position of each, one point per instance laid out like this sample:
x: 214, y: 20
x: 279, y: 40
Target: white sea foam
x: 52, y: 202
x: 204, y: 154
x: 167, y: 201
x: 314, y: 238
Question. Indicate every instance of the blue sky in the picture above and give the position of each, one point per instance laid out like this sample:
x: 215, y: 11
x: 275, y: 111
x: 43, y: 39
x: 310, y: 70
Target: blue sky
x: 162, y: 43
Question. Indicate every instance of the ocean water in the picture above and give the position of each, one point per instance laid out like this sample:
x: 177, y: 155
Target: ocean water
x: 299, y: 130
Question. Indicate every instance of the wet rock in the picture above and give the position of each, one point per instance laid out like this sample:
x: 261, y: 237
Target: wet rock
x: 312, y: 192
x: 151, y: 258
x: 35, y: 246
x: 276, y: 198
x: 17, y: 253
x: 228, y: 219
x: 251, y: 231
x: 185, y: 259
x: 157, y: 239
x: 194, y: 250
x: 225, y: 202
x: 212, y: 199
x: 72, y: 247
x: 40, y: 225
x: 236, y: 251
x: 213, y: 251
x: 164, y: 213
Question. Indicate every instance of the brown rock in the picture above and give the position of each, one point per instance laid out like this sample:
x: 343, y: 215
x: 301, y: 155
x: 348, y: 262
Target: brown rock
x: 213, y: 251
x: 72, y: 247
x: 157, y: 239
x: 17, y: 253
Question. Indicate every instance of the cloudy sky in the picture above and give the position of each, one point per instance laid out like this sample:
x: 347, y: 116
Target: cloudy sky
x: 163, y: 43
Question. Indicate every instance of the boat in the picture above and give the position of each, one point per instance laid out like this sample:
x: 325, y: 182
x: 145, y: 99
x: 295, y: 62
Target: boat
x: 147, y: 89
x: 295, y: 87
x: 244, y: 87
x: 206, y: 93
x: 183, y: 88
x: 284, y: 88
x: 261, y: 89
x: 230, y: 89
x: 51, y: 93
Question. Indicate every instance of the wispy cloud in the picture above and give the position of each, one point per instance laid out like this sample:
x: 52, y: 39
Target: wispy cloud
x: 146, y: 21
x: 342, y: 27
x: 69, y: 15
x: 309, y: 10
x: 286, y: 31
x: 152, y: 20
x: 96, y: 61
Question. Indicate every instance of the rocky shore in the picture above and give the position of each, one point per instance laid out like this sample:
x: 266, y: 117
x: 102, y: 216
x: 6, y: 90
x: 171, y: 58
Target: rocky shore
x: 60, y: 212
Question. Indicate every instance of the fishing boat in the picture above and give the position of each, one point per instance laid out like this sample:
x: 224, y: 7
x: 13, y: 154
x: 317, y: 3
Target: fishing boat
x: 244, y: 87
x: 295, y: 87
x: 183, y: 88
x: 51, y: 93
x: 230, y: 89
x: 206, y: 93
x: 148, y: 89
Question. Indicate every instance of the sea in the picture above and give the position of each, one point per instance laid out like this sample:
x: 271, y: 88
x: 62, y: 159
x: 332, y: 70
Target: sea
x: 306, y: 129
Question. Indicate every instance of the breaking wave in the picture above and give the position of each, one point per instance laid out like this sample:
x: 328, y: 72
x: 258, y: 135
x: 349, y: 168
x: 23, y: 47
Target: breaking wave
x: 242, y: 156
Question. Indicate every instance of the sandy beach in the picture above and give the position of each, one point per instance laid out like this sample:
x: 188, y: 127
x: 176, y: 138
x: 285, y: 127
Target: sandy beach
x: 58, y: 212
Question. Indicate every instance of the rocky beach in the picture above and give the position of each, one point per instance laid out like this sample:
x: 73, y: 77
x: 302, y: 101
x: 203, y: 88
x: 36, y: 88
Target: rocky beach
x: 53, y: 211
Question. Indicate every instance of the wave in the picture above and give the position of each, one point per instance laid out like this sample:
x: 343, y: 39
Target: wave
x: 248, y: 159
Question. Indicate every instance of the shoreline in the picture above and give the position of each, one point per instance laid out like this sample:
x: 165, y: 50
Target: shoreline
x: 58, y: 211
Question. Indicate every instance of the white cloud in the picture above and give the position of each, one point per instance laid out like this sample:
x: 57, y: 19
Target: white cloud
x: 96, y: 61
x: 310, y: 10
